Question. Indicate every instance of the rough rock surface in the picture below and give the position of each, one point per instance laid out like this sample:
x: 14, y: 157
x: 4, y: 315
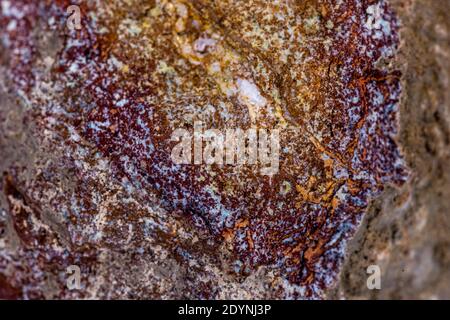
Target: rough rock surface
x: 86, y: 120
x: 407, y: 230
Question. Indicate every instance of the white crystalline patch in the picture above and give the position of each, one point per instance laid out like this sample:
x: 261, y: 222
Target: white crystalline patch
x: 131, y: 27
x: 250, y: 95
x: 201, y: 44
x: 9, y: 10
x: 6, y: 5
x: 250, y: 92
x: 73, y: 68
x: 113, y: 62
x: 375, y: 18
x: 11, y: 25
x: 121, y: 103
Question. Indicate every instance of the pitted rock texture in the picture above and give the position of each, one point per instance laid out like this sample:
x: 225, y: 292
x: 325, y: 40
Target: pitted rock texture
x: 87, y: 120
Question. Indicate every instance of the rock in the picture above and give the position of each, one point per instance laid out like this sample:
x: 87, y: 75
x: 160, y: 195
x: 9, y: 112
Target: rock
x: 350, y: 149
